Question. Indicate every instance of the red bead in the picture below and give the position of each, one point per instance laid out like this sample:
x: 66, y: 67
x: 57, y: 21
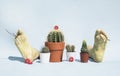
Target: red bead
x: 28, y: 61
x: 71, y: 59
x: 56, y: 27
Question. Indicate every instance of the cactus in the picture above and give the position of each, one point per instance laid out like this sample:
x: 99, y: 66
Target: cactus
x: 73, y: 48
x: 84, y: 46
x: 55, y: 35
x: 45, y: 50
x: 70, y: 48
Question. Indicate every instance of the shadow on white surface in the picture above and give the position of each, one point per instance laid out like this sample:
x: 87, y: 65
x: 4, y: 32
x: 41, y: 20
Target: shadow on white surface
x: 14, y: 58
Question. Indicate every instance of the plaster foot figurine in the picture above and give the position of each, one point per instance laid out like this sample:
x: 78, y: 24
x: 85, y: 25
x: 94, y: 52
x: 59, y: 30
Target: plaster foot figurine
x: 97, y: 51
x: 26, y: 50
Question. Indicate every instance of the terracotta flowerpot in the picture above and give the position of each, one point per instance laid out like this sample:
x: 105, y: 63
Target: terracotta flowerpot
x: 56, y: 50
x: 84, y: 56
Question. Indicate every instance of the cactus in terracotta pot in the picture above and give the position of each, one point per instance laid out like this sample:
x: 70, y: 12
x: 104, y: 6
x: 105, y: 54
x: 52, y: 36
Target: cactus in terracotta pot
x: 84, y: 52
x: 55, y: 43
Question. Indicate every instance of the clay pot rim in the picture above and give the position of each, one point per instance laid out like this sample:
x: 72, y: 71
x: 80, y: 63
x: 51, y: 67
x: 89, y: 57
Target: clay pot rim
x: 55, y: 42
x: 84, y: 52
x: 55, y: 46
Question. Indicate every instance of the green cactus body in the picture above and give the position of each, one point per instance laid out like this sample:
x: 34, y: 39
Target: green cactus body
x: 50, y: 37
x: 73, y: 48
x: 45, y: 50
x: 70, y: 48
x: 84, y: 46
x: 55, y: 36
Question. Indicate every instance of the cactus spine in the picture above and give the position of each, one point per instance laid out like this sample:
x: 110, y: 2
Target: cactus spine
x: 55, y: 36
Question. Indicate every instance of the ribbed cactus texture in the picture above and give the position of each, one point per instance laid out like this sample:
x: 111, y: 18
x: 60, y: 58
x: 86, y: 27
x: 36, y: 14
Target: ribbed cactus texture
x: 55, y: 36
x: 84, y: 46
x: 45, y: 50
x: 70, y: 48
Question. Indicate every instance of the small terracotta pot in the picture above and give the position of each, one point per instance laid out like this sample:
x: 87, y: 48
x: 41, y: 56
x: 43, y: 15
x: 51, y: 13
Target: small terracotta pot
x: 84, y: 56
x: 56, y: 50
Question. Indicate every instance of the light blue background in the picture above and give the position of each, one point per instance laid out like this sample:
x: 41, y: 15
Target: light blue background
x: 78, y: 19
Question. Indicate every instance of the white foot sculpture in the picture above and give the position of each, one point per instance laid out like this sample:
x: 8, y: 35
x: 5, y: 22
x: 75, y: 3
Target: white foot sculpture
x: 97, y: 51
x: 27, y: 51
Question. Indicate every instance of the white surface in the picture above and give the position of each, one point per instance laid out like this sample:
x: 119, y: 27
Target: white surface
x: 78, y: 19
x: 16, y: 68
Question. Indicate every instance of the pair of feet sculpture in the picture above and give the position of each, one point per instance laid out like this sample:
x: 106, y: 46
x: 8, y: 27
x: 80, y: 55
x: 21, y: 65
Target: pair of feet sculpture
x: 30, y: 54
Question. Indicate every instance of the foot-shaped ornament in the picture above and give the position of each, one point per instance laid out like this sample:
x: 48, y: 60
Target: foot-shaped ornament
x: 26, y: 50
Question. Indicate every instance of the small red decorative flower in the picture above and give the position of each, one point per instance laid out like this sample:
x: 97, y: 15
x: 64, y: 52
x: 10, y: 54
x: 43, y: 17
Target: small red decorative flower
x: 28, y: 61
x: 56, y: 27
x: 71, y: 59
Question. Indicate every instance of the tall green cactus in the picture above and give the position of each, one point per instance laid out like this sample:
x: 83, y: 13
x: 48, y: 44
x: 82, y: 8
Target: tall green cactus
x: 55, y: 36
x: 84, y: 46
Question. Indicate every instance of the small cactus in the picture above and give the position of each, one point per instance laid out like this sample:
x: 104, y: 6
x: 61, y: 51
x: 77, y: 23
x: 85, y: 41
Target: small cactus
x: 70, y: 48
x: 55, y: 35
x: 45, y: 50
x: 84, y: 46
